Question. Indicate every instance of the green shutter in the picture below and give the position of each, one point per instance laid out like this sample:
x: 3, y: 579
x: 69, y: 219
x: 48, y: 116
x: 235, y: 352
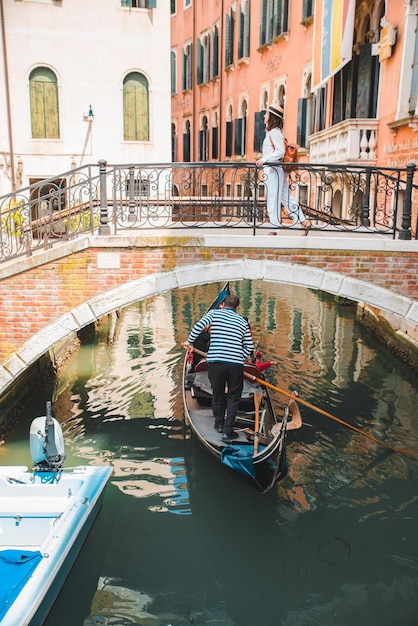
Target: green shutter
x: 43, y: 94
x: 135, y: 108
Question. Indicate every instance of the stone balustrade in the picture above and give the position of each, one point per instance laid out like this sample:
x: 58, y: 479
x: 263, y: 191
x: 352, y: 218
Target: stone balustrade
x: 352, y: 141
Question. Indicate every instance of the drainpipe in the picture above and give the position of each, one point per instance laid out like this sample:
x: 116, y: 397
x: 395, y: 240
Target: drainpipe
x: 194, y: 86
x: 7, y: 88
x: 221, y: 47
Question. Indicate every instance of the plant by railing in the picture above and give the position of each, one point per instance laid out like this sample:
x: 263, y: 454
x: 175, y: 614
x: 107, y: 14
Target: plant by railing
x: 110, y: 198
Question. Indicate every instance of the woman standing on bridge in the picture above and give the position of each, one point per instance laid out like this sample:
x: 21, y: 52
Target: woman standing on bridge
x: 277, y: 185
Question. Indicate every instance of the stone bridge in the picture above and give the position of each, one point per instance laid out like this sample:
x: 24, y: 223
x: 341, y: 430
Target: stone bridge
x: 57, y: 291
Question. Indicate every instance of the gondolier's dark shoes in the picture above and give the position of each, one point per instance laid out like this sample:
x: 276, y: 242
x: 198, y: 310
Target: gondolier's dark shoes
x: 228, y: 437
x: 219, y: 427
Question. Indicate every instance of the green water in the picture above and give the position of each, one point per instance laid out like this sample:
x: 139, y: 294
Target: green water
x: 179, y: 539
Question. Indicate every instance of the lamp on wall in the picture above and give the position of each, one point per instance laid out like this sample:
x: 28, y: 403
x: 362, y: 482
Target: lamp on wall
x: 89, y: 117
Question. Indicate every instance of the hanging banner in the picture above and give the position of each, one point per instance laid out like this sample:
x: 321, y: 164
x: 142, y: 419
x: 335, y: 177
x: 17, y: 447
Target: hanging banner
x: 332, y: 38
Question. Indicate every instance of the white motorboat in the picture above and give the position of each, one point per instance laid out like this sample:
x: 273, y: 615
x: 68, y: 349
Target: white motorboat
x: 45, y: 515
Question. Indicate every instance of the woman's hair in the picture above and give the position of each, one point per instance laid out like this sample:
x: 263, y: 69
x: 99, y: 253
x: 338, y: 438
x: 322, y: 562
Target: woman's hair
x: 274, y: 121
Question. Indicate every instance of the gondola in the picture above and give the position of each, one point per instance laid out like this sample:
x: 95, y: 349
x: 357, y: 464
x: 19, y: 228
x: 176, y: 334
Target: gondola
x: 259, y: 453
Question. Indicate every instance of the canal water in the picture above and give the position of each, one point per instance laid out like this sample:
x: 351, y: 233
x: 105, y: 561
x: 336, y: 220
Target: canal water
x: 179, y: 539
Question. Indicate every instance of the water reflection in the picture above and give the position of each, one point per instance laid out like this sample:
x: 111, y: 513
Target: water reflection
x: 181, y: 541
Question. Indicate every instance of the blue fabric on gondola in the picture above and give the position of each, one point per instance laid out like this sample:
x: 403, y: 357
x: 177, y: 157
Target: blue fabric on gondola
x: 16, y: 567
x: 240, y: 459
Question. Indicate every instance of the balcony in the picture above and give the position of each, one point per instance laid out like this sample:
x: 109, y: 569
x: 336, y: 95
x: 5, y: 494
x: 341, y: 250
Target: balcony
x: 352, y: 142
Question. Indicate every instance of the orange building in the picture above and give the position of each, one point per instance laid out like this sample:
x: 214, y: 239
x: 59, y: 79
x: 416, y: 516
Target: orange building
x: 345, y: 71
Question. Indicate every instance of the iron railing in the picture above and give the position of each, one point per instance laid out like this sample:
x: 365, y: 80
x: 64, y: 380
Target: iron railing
x: 109, y: 199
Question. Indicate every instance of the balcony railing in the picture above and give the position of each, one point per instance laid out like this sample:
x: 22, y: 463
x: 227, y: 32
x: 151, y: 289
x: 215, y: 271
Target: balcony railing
x: 107, y: 199
x: 352, y: 141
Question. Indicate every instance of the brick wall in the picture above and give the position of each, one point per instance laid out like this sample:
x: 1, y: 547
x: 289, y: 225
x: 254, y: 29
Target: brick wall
x: 32, y: 299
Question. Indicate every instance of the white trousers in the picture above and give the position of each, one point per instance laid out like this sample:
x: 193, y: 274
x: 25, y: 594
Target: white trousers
x: 278, y: 194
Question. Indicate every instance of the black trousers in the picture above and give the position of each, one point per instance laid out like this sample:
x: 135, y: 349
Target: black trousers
x: 222, y: 375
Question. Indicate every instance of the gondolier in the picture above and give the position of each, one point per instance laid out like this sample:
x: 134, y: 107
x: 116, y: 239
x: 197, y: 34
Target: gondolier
x: 231, y: 343
x: 258, y: 450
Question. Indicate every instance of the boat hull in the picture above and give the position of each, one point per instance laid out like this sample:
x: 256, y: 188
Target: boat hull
x: 52, y: 518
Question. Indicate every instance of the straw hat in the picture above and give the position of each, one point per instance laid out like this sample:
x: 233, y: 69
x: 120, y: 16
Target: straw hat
x: 276, y: 109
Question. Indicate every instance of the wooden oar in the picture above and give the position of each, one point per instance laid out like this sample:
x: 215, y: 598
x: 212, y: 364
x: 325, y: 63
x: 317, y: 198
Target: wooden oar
x: 317, y: 409
x: 257, y: 402
x: 333, y: 417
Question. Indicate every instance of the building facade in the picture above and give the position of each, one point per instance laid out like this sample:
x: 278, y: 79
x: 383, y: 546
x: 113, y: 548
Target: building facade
x: 230, y: 59
x: 82, y: 81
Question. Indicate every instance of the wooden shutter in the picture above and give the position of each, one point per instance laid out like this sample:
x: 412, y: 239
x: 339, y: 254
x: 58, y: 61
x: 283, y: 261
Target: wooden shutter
x: 301, y: 123
x: 238, y: 136
x: 215, y: 143
x: 259, y: 131
x: 412, y: 107
x: 228, y: 147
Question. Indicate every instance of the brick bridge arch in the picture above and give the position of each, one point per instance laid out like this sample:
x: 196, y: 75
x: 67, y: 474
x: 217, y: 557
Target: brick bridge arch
x: 94, y: 278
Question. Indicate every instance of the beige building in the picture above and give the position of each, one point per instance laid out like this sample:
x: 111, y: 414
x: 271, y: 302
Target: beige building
x: 82, y: 81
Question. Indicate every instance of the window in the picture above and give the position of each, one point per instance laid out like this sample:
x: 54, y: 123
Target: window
x: 244, y: 31
x: 305, y: 115
x: 173, y: 143
x: 203, y: 60
x: 173, y: 71
x: 229, y: 41
x: 204, y: 140
x: 44, y: 110
x: 139, y: 4
x: 215, y: 136
x: 135, y: 108
x: 173, y: 7
x: 187, y: 142
x: 259, y: 130
x: 319, y: 108
x: 240, y: 138
x: 307, y: 9
x: 187, y: 67
x: 215, y: 52
x: 187, y: 3
x: 274, y: 19
x: 229, y: 125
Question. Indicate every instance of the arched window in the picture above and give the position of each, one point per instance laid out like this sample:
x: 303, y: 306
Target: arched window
x: 44, y: 110
x: 135, y: 108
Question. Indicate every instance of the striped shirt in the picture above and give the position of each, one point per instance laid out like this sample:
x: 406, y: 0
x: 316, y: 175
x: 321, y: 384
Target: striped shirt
x: 230, y: 336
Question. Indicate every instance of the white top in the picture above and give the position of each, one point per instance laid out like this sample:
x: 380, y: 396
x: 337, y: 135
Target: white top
x: 273, y: 146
